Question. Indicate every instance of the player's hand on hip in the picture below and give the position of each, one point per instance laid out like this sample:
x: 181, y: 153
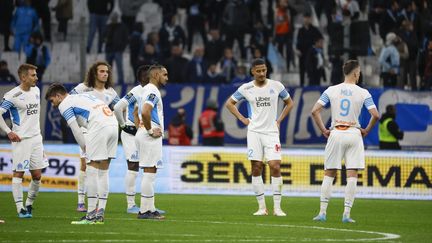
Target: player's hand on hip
x: 157, y: 132
x: 14, y: 137
x: 326, y: 133
x: 363, y: 132
x: 245, y: 121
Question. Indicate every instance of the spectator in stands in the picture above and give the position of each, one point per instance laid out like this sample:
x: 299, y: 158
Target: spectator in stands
x: 196, y: 68
x: 327, y: 6
x: 409, y: 65
x: 24, y: 22
x: 402, y: 48
x: 377, y: 11
x: 215, y: 47
x: 99, y: 12
x: 235, y: 24
x: 5, y: 76
x: 214, y: 77
x: 136, y: 46
x: 116, y: 39
x: 211, y: 126
x: 213, y: 10
x: 44, y: 13
x: 169, y: 7
x: 154, y: 40
x: 179, y: 133
x: 352, y: 9
x: 129, y: 10
x: 149, y: 55
x: 260, y: 37
x: 389, y: 23
x: 38, y: 54
x: 306, y: 36
x: 389, y: 61
x: 426, y: 67
x: 64, y: 13
x: 284, y: 31
x: 315, y: 63
x: 177, y: 65
x: 171, y: 33
x: 228, y: 65
x: 389, y: 132
x: 241, y: 76
x: 409, y: 13
x: 195, y: 22
x: 6, y: 13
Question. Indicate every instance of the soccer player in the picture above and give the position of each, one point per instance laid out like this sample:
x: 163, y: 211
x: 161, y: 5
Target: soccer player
x: 149, y: 138
x: 344, y: 135
x: 100, y: 143
x: 262, y: 95
x: 99, y: 83
x: 23, y: 103
x: 126, y: 105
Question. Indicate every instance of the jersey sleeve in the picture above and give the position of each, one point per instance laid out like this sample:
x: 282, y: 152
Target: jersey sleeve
x: 324, y: 99
x: 151, y: 99
x: 283, y: 93
x: 238, y: 95
x: 368, y: 101
x: 6, y: 103
x: 67, y: 112
x: 115, y: 100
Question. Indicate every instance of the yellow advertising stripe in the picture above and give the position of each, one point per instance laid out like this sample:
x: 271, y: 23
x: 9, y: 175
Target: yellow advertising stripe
x: 303, y: 170
x: 47, y: 153
x: 47, y: 182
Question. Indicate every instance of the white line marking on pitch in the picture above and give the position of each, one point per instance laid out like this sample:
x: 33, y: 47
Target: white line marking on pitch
x: 385, y: 236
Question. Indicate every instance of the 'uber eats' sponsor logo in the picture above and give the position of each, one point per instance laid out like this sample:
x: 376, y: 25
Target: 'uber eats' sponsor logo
x: 262, y: 101
x: 32, y: 109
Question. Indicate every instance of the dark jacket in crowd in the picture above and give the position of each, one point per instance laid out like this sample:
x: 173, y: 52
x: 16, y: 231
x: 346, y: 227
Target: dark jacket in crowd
x: 116, y: 37
x: 100, y: 7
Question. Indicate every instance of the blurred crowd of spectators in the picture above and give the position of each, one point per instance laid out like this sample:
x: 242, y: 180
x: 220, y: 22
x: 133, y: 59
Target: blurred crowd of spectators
x: 288, y: 34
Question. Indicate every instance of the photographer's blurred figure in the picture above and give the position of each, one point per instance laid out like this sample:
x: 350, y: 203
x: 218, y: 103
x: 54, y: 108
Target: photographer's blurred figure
x: 389, y: 132
x: 179, y: 133
x: 211, y: 126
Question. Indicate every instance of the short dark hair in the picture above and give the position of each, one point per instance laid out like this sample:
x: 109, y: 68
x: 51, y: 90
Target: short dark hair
x: 55, y: 88
x: 258, y: 61
x: 143, y: 70
x: 349, y: 66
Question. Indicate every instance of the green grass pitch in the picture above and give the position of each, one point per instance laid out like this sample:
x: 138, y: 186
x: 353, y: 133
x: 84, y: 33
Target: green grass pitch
x: 204, y: 218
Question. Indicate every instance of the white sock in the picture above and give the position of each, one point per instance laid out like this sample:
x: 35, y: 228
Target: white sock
x: 17, y: 192
x: 276, y: 183
x: 147, y: 192
x: 349, y: 195
x: 103, y: 188
x: 325, y: 193
x: 81, y: 186
x: 92, y: 188
x: 130, y: 187
x: 258, y: 187
x: 32, y: 192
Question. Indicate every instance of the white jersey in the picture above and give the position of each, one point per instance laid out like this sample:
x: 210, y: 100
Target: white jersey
x: 151, y: 95
x: 24, y: 108
x: 346, y: 101
x: 80, y: 88
x: 131, y: 100
x: 109, y: 96
x: 90, y: 112
x: 262, y: 104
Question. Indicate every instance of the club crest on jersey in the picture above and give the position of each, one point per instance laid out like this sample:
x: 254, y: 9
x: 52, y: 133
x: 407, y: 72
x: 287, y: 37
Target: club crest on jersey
x: 272, y: 91
x: 37, y: 96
